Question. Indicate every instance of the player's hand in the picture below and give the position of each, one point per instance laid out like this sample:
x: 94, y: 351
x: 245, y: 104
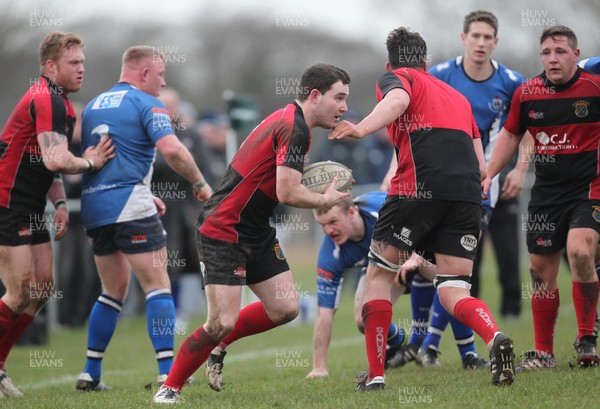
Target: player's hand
x: 204, y: 193
x: 409, y: 265
x: 485, y: 187
x: 332, y: 196
x: 345, y: 129
x: 101, y: 153
x: 60, y: 222
x: 317, y: 373
x: 513, y: 184
x: 160, y: 205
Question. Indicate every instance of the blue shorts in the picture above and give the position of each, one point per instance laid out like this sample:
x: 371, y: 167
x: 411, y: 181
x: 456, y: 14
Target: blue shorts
x: 132, y: 237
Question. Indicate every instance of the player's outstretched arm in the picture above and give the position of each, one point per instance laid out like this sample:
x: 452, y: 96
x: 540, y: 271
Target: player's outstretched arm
x: 179, y: 158
x: 58, y: 158
x: 292, y: 192
x: 321, y: 341
x: 385, y: 112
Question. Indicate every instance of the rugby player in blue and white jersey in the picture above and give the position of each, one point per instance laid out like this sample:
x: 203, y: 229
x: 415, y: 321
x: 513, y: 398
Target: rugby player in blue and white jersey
x: 120, y: 213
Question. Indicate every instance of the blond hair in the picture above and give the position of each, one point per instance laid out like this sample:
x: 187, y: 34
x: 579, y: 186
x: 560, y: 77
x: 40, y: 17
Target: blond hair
x: 54, y: 44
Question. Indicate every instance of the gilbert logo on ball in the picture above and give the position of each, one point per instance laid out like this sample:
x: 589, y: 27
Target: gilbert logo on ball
x: 318, y: 176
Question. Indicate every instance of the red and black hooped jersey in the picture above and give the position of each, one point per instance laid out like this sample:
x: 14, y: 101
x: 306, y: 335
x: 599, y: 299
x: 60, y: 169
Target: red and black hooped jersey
x: 240, y: 208
x: 433, y: 139
x: 564, y: 121
x: 24, y: 180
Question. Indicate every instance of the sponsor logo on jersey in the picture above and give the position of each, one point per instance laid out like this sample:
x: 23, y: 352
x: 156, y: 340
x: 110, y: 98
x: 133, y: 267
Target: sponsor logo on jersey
x: 24, y: 232
x: 278, y: 252
x: 109, y: 100
x: 469, y: 242
x: 543, y: 243
x: 139, y: 239
x: 380, y: 344
x: 596, y: 213
x: 581, y: 108
x: 535, y: 115
x: 240, y: 272
x: 404, y: 236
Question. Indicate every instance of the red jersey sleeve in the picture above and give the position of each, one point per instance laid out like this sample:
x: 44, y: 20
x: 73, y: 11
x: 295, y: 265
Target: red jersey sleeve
x: 476, y: 134
x: 292, y: 139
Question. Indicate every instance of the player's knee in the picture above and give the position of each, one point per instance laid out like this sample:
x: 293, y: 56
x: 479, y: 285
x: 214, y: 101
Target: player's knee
x: 359, y: 325
x: 285, y: 312
x: 582, y: 263
x: 219, y: 328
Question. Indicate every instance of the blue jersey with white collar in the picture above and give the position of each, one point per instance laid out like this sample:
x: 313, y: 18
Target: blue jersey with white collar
x: 334, y: 259
x: 591, y: 64
x: 490, y: 99
x: 135, y: 121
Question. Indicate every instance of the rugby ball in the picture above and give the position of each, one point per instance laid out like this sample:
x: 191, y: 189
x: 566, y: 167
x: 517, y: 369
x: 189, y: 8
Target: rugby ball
x: 318, y: 176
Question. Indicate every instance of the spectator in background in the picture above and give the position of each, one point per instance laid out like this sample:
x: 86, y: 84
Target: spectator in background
x: 213, y: 127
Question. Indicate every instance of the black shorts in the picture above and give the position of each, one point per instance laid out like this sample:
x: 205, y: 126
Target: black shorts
x: 19, y: 229
x: 548, y: 226
x: 132, y: 237
x: 439, y: 226
x: 239, y: 264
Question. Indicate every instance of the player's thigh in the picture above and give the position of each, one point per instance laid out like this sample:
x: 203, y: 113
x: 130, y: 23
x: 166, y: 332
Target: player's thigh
x: 150, y: 269
x: 16, y: 267
x: 279, y: 294
x: 114, y: 271
x: 223, y: 304
x: 43, y: 260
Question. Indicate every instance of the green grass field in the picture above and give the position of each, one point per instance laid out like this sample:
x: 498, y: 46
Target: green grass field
x: 267, y: 371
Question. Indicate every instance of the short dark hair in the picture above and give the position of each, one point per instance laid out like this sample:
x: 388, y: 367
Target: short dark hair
x: 482, y: 16
x: 556, y: 31
x: 406, y: 49
x: 320, y: 77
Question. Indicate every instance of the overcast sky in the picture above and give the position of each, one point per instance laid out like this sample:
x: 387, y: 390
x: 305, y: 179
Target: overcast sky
x: 361, y: 19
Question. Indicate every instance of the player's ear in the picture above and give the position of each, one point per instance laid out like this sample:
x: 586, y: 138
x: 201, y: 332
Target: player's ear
x: 388, y: 67
x: 314, y: 96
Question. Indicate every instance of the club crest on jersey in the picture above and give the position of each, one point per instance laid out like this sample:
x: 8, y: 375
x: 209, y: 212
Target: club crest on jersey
x: 278, y: 252
x: 240, y: 272
x: 581, y: 108
x: 496, y: 104
x: 596, y: 213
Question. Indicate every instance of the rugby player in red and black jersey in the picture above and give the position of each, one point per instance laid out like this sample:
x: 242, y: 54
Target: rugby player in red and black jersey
x: 33, y: 148
x: 236, y: 244
x: 561, y: 109
x: 434, y: 202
